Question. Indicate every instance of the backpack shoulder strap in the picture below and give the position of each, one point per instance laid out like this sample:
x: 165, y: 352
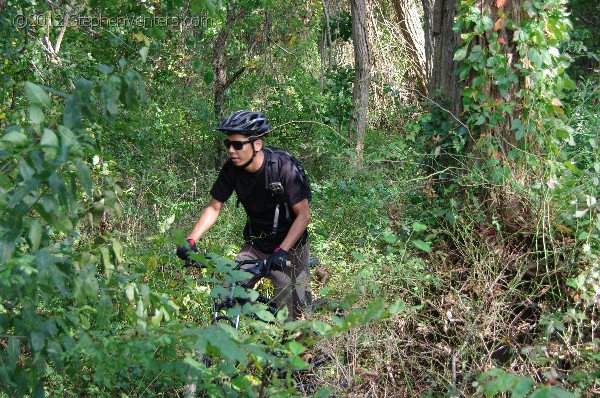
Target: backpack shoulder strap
x: 271, y: 166
x: 273, y: 184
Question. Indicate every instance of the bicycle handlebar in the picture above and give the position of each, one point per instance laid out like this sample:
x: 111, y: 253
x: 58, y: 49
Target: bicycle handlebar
x: 257, y: 269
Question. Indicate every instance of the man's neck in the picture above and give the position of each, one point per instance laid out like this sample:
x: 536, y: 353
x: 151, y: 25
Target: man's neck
x: 256, y: 163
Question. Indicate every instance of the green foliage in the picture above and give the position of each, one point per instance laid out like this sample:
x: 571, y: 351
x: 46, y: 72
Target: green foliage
x: 51, y: 290
x: 70, y: 303
x: 497, y: 381
x: 521, y: 91
x: 583, y: 46
x: 93, y: 302
x: 337, y: 103
x: 340, y: 26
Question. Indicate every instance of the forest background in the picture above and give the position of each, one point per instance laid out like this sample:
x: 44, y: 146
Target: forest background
x: 452, y: 149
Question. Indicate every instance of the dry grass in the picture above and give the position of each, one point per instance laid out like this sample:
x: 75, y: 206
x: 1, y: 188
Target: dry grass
x: 501, y: 280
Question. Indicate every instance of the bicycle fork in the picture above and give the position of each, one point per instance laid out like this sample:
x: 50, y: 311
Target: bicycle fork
x: 223, y: 304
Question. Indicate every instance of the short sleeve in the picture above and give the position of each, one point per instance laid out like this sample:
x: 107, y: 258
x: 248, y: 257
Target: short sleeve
x: 224, y: 185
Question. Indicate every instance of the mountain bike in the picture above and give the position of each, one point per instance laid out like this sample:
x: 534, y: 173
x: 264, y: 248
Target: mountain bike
x: 223, y: 303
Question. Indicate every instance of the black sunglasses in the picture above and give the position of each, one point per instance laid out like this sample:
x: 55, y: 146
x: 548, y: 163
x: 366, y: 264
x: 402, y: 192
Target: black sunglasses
x: 237, y: 145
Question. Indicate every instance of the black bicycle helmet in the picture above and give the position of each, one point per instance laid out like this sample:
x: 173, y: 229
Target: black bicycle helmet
x: 247, y: 123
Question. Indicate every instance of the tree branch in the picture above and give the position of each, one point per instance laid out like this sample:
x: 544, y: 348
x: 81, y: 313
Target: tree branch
x: 237, y: 74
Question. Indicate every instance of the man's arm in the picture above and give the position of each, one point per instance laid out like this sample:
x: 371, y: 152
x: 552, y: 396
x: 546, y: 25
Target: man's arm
x: 302, y: 211
x: 207, y: 219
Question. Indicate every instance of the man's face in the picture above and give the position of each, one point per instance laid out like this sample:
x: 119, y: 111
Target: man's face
x: 241, y: 156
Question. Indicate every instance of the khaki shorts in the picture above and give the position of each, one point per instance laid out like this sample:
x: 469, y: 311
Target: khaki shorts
x: 291, y: 286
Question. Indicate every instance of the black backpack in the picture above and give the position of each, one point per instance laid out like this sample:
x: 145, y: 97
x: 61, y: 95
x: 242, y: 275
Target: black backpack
x: 274, y: 157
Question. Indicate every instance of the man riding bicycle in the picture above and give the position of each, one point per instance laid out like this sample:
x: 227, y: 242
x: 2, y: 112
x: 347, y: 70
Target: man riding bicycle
x: 273, y: 232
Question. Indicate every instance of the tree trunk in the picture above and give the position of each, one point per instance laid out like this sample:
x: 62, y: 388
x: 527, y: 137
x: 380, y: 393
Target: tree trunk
x: 325, y: 46
x: 440, y: 42
x: 220, y: 74
x: 219, y: 65
x: 362, y: 76
x: 414, y: 36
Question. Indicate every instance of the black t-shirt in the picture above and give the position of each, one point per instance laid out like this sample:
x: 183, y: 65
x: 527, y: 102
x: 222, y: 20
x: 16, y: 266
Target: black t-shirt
x: 259, y: 203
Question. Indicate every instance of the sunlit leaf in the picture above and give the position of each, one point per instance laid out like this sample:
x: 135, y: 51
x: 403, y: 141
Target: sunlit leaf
x: 36, y: 114
x: 144, y: 53
x: 15, y: 137
x: 35, y: 234
x: 106, y: 261
x: 117, y: 249
x: 417, y: 227
x: 49, y: 141
x: 499, y: 24
x: 295, y: 348
x: 460, y: 53
x: 580, y: 213
x: 419, y: 244
x: 358, y: 256
x: 390, y: 238
x: 36, y: 95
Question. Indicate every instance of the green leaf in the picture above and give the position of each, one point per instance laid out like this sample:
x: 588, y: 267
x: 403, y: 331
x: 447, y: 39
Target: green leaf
x: 419, y: 244
x: 397, y: 307
x: 23, y: 190
x: 55, y: 353
x: 84, y: 175
x: 36, y: 95
x: 295, y: 348
x: 390, y: 238
x: 117, y: 249
x: 49, y: 141
x: 59, y: 188
x: 110, y: 94
x: 68, y: 139
x: 551, y: 392
x: 322, y: 393
x: 536, y: 57
x: 517, y: 125
x: 14, y: 350
x: 321, y: 327
x: 78, y: 101
x: 15, y: 137
x: 265, y: 315
x: 297, y: 363
x: 358, y: 256
x: 460, y: 53
x: 38, y: 340
x: 35, y: 234
x: 25, y: 170
x: 106, y: 69
x: 563, y: 134
x: 106, y: 261
x: 417, y: 227
x: 225, y: 346
x: 6, y: 249
x: 36, y: 114
x: 282, y: 314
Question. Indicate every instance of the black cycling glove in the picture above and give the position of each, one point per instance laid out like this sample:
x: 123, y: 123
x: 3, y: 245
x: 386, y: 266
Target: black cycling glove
x: 277, y: 261
x: 182, y: 251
